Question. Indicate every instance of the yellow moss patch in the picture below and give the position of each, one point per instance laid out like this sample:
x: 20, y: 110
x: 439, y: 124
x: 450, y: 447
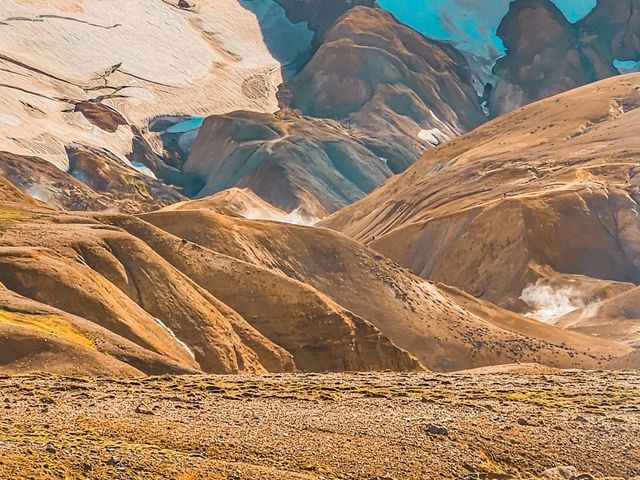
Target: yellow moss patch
x: 13, y: 215
x: 52, y: 324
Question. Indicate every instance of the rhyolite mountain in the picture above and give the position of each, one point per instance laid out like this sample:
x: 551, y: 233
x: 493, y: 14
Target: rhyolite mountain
x: 533, y: 211
x: 346, y: 82
x: 372, y: 98
x: 147, y: 148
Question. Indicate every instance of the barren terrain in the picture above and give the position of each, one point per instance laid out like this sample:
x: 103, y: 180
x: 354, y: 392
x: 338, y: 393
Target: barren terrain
x: 513, y: 422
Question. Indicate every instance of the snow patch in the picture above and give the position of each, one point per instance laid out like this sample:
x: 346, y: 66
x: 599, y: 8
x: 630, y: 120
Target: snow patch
x: 295, y: 217
x: 184, y: 346
x: 434, y: 136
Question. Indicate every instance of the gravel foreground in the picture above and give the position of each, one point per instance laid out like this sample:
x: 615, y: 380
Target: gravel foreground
x: 345, y: 426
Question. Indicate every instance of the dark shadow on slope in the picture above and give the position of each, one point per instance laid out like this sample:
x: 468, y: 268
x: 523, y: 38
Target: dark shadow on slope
x: 289, y: 42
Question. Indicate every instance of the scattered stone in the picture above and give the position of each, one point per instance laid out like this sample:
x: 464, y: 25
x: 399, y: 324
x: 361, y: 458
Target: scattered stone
x: 50, y: 448
x: 564, y: 472
x: 184, y: 4
x: 434, y: 429
x: 114, y: 461
x: 142, y: 410
x: 526, y: 422
x: 490, y: 476
x: 581, y: 419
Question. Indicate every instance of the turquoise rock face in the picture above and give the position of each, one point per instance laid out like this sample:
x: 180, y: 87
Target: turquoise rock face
x: 628, y: 66
x: 192, y: 123
x: 470, y: 25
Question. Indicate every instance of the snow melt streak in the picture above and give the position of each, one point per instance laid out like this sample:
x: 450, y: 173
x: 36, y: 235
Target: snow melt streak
x: 184, y: 346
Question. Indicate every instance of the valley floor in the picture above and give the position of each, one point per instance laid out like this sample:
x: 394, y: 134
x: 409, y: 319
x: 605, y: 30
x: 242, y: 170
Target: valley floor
x: 349, y: 426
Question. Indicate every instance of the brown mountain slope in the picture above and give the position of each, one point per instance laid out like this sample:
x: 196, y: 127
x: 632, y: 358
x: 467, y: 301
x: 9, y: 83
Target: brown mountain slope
x: 320, y: 334
x: 36, y: 337
x: 416, y: 315
x: 109, y: 277
x: 551, y: 186
x: 85, y: 266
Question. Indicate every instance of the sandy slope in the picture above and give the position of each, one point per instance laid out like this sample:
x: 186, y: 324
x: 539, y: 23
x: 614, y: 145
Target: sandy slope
x: 443, y: 328
x: 159, y: 298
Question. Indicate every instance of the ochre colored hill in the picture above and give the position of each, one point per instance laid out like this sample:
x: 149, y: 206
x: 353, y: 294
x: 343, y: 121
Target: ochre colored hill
x: 444, y: 328
x: 551, y: 185
x: 172, y: 306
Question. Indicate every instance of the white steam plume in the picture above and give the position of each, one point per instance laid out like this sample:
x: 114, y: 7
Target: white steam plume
x: 548, y: 303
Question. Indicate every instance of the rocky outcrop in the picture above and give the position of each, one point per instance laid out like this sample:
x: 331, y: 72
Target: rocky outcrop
x: 547, y: 55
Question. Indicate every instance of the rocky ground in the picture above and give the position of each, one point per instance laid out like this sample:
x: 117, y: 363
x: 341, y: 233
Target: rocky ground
x: 492, y: 425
